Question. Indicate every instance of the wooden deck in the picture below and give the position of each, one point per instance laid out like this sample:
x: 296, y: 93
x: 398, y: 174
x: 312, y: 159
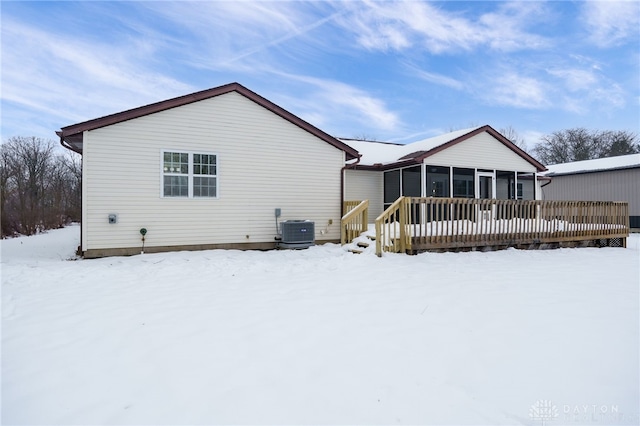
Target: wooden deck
x: 414, y: 224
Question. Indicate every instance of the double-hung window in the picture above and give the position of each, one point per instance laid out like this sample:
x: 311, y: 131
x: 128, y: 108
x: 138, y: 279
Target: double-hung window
x: 189, y: 174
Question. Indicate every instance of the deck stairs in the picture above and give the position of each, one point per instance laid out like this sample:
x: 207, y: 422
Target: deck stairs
x: 365, y: 243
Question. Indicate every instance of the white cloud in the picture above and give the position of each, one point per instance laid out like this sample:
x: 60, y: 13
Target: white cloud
x: 575, y: 79
x: 225, y: 34
x: 364, y: 107
x: 73, y: 79
x: 582, y: 90
x: 312, y: 57
x: 279, y: 40
x: 611, y: 96
x: 590, y: 62
x: 611, y: 22
x: 385, y: 37
x: 561, y: 87
x: 341, y: 102
x: 503, y: 29
x: 515, y: 90
x: 531, y: 138
x: 403, y: 25
x: 438, y: 79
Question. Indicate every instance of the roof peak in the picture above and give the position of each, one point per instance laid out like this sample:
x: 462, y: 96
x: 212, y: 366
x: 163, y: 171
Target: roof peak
x: 391, y: 155
x: 71, y: 137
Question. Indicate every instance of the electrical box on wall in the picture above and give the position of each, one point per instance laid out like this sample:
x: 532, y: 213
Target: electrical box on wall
x: 113, y: 218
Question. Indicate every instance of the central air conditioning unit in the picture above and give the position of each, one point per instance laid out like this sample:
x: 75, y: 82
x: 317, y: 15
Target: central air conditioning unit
x: 297, y: 234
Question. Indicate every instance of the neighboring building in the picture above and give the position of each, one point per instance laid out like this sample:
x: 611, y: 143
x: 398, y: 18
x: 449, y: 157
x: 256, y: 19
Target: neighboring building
x: 603, y: 179
x: 205, y: 170
x: 470, y: 163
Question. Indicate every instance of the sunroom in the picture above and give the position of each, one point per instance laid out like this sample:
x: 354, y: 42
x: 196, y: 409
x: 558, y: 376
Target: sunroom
x: 432, y: 180
x: 472, y: 163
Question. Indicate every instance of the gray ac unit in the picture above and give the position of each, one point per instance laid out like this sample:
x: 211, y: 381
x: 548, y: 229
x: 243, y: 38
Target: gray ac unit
x: 297, y: 234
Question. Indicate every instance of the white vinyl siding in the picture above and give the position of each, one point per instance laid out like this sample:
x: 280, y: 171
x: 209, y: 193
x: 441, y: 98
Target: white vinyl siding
x: 365, y: 185
x: 482, y: 151
x: 268, y: 163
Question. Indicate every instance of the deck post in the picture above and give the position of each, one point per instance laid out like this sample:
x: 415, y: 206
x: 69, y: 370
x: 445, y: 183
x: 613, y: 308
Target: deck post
x: 402, y: 224
x: 379, y: 238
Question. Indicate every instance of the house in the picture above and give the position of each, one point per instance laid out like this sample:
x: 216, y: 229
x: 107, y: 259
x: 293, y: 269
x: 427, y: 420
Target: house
x: 227, y: 168
x: 213, y: 169
x: 471, y: 163
x: 604, y: 179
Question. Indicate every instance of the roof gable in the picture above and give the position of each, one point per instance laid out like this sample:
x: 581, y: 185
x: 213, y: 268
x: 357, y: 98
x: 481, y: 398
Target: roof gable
x: 386, y: 156
x: 71, y: 137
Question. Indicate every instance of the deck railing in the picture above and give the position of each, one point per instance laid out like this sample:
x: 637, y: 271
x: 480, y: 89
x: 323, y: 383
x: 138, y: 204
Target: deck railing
x: 416, y: 223
x: 349, y: 205
x: 355, y: 221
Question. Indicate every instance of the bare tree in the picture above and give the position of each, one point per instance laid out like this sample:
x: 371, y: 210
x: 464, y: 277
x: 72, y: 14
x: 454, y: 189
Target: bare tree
x: 38, y: 189
x: 32, y: 169
x: 619, y: 143
x: 578, y: 144
x: 510, y: 133
x: 71, y: 163
x: 7, y: 190
x: 363, y: 137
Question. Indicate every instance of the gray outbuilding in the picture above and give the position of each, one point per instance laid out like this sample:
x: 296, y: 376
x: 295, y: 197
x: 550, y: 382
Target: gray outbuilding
x: 603, y: 179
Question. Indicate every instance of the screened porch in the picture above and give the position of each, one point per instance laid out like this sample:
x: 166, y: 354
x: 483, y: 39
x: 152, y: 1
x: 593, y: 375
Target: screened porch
x: 455, y: 182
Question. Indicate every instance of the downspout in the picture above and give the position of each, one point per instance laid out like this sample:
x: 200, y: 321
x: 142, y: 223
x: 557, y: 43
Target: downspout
x: 549, y: 179
x: 342, y: 172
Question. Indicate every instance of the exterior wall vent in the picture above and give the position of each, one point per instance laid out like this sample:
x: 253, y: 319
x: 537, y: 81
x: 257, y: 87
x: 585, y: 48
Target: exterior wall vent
x: 297, y: 234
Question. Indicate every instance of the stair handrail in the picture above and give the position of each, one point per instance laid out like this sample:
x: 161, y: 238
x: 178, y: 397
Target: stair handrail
x: 354, y: 222
x: 395, y: 239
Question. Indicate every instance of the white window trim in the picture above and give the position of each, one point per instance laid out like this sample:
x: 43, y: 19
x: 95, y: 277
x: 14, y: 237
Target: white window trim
x: 190, y: 175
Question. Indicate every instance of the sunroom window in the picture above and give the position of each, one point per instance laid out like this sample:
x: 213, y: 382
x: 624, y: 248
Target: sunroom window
x: 463, y: 183
x: 189, y: 175
x: 437, y: 181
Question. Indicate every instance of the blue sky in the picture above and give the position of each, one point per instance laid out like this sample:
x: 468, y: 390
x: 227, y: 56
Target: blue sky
x: 381, y: 70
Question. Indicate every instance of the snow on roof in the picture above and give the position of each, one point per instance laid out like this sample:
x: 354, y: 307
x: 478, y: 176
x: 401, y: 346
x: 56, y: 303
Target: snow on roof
x: 609, y: 163
x: 373, y: 152
x: 386, y: 153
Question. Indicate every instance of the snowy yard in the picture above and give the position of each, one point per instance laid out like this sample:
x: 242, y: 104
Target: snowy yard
x: 319, y: 336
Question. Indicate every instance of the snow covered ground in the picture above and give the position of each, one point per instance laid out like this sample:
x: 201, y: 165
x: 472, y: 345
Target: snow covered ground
x: 319, y: 336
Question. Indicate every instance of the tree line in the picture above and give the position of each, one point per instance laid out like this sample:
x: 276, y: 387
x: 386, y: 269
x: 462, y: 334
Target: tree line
x: 40, y: 187
x: 564, y: 146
